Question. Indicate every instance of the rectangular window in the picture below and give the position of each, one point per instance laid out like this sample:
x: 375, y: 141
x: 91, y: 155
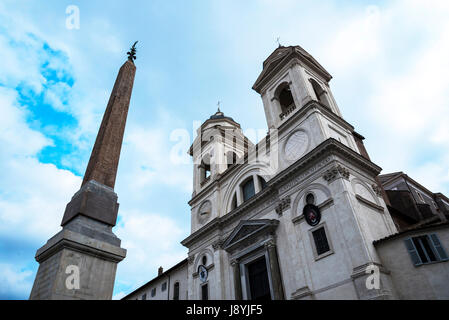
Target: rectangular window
x: 144, y: 296
x: 321, y: 243
x: 164, y: 286
x: 425, y: 249
x: 204, y: 292
x: 153, y: 292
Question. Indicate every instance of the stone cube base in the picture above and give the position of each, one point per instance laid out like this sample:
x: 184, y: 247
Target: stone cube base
x: 96, y: 260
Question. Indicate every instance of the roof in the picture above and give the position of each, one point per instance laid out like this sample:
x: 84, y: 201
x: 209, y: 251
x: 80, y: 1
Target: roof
x: 383, y: 178
x: 440, y: 195
x: 164, y: 274
x: 417, y: 228
x: 219, y: 115
x: 280, y: 57
x: 386, y: 178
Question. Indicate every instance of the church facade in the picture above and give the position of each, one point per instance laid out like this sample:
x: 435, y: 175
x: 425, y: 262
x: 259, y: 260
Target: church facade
x: 300, y: 215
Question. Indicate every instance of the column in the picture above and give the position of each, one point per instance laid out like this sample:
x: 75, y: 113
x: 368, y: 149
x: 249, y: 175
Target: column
x: 276, y: 280
x: 237, y: 282
x: 239, y: 196
x: 257, y: 186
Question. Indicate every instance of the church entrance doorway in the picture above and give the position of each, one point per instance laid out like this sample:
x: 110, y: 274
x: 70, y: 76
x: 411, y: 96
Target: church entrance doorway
x: 259, y: 285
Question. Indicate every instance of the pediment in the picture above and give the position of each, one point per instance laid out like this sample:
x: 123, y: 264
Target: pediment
x: 284, y: 54
x: 277, y: 55
x: 271, y: 62
x: 248, y: 229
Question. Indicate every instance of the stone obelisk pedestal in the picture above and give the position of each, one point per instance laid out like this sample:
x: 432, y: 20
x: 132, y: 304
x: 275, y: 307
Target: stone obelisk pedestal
x: 84, y: 243
x: 80, y: 261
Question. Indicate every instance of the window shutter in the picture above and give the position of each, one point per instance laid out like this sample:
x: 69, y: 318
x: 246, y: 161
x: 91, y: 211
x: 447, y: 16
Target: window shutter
x: 412, y: 251
x: 439, y: 248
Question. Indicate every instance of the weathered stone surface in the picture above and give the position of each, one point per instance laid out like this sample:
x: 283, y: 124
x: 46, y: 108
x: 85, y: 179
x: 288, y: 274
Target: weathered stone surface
x: 93, y: 200
x: 97, y: 262
x: 94, y: 229
x: 105, y: 155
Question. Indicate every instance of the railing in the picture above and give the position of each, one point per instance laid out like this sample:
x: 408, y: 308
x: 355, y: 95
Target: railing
x: 205, y: 181
x: 287, y: 111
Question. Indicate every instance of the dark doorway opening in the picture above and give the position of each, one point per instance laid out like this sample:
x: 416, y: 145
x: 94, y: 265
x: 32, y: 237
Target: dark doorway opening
x: 258, y: 280
x: 204, y: 292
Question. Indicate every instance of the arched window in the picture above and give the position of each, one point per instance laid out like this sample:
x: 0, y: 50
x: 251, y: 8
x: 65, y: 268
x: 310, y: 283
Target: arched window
x: 248, y: 189
x: 284, y: 95
x: 286, y: 98
x: 310, y: 199
x: 320, y: 93
x: 205, y: 169
x: 176, y: 291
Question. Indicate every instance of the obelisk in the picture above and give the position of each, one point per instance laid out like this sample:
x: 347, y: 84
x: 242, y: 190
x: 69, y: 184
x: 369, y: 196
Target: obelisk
x: 80, y: 261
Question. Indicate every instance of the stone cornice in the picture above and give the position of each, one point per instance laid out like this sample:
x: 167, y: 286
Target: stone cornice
x: 318, y: 105
x: 307, y: 107
x: 77, y: 242
x: 326, y: 148
x: 228, y: 218
x: 321, y: 152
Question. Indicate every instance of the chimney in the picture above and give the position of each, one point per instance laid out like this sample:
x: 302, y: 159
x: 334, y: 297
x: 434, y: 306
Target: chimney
x: 160, y: 271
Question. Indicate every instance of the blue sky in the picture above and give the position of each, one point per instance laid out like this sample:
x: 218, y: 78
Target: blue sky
x: 388, y: 60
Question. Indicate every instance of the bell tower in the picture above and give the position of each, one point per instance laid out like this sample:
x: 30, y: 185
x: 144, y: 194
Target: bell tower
x: 299, y: 103
x: 219, y: 144
x: 290, y: 79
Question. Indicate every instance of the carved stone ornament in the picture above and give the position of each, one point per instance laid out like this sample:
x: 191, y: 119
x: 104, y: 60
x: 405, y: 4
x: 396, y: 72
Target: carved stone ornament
x: 283, y: 205
x: 270, y: 243
x: 336, y: 172
x: 217, y: 244
x: 377, y: 190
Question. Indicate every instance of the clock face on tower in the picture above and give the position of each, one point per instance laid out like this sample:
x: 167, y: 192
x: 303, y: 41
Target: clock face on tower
x: 296, y: 145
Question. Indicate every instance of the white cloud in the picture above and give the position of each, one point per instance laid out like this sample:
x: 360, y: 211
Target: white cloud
x: 16, y: 138
x: 33, y: 194
x: 151, y: 241
x: 57, y: 95
x: 14, y: 282
x: 356, y: 41
x: 407, y: 102
x: 146, y: 161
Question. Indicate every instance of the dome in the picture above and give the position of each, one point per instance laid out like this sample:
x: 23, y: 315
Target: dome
x: 220, y: 115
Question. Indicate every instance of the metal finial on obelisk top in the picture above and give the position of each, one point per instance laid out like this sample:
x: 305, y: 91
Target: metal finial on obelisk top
x: 132, y: 52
